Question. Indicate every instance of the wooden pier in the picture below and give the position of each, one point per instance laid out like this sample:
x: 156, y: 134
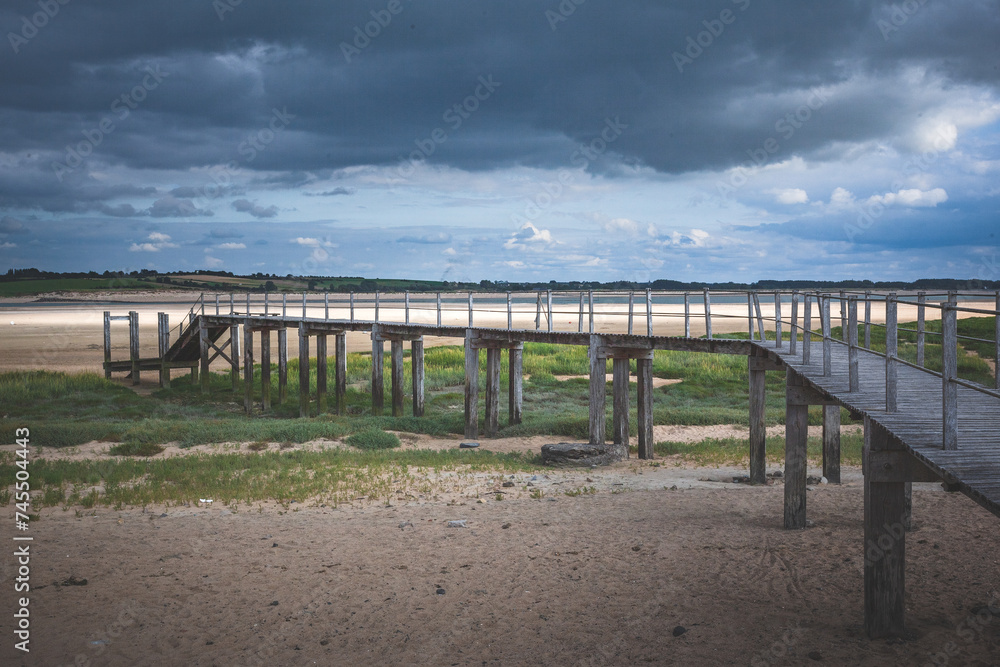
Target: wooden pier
x: 920, y: 425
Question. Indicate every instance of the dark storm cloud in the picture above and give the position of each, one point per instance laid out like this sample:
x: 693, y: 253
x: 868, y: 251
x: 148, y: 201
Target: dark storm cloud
x: 221, y: 81
x: 254, y: 209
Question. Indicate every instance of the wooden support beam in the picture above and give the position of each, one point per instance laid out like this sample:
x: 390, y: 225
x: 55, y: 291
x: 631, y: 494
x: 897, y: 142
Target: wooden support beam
x: 265, y: 370
x: 885, y: 540
x: 396, y: 373
x: 417, y: 374
x: 827, y: 341
x: 471, y: 386
x: 687, y: 315
x: 949, y: 373
x: 107, y: 344
x: 868, y: 320
x: 891, y: 349
x: 806, y: 329
x: 492, y: 424
x: 163, y: 343
x: 644, y: 395
x: 897, y: 465
x: 340, y: 374
x: 619, y: 392
x: 598, y: 392
x: 378, y: 384
x: 579, y: 328
x: 631, y: 311
x: 649, y: 312
x: 548, y: 308
x: 321, y: 373
x: 793, y: 330
x: 247, y: 366
x: 854, y: 381
x: 921, y: 307
x: 515, y: 380
x: 133, y: 344
x: 708, y: 314
x: 796, y: 432
x: 282, y: 365
x: 203, y: 355
x: 831, y: 443
x: 234, y: 356
x: 758, y: 430
x: 303, y: 371
x: 778, y: 334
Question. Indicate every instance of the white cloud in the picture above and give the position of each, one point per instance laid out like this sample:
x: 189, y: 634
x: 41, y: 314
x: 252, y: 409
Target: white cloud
x: 514, y: 264
x: 6, y: 245
x: 212, y: 262
x: 159, y: 237
x: 630, y: 227
x: 313, y: 243
x: 912, y: 198
x: 528, y: 234
x: 841, y: 198
x: 449, y: 251
x: 144, y: 247
x: 232, y: 246
x: 157, y: 242
x: 696, y: 238
x: 790, y: 195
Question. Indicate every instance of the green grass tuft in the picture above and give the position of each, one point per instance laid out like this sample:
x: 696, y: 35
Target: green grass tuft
x: 373, y: 438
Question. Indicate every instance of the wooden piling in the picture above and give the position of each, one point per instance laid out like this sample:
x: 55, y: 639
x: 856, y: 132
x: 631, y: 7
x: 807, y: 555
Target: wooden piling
x: 378, y: 384
x: 247, y: 367
x: 417, y: 375
x: 340, y: 373
x: 282, y: 365
x: 777, y: 320
x: 831, y: 443
x: 234, y: 356
x: 548, y: 308
x: 133, y: 343
x: 492, y: 423
x: 708, y: 315
x: 921, y: 307
x: 796, y: 432
x: 510, y: 313
x: 868, y: 320
x: 827, y: 340
x: 396, y: 375
x: 793, y: 327
x: 598, y: 392
x: 758, y: 429
x: 203, y: 354
x: 163, y: 344
x: 265, y: 370
x: 949, y: 373
x: 891, y: 349
x: 515, y: 379
x: 303, y: 370
x: 471, y: 309
x: 885, y: 538
x: 687, y: 315
x: 854, y: 381
x: 644, y: 395
x: 591, y: 306
x: 471, y: 386
x: 580, y: 326
x: 321, y: 373
x: 806, y: 329
x: 107, y: 344
x: 649, y: 313
x: 631, y: 310
x: 620, y: 402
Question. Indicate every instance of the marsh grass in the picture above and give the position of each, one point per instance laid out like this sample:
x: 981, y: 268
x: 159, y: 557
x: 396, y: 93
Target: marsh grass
x: 735, y: 451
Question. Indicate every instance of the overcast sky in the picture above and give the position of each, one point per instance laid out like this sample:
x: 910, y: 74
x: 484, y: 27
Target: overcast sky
x: 508, y: 140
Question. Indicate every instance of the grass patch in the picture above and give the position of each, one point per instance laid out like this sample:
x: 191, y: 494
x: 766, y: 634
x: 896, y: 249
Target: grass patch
x: 373, y: 438
x: 736, y: 451
x: 136, y: 449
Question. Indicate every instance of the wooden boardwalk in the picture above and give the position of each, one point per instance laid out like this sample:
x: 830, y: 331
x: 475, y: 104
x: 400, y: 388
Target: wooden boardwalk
x: 919, y: 426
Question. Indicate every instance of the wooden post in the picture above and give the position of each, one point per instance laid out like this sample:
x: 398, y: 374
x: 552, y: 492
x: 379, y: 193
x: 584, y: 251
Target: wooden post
x: 852, y: 344
x: 760, y: 317
x: 340, y: 373
x: 284, y: 305
x: 439, y: 308
x: 326, y: 305
x: 921, y: 300
x: 758, y: 429
x: 806, y: 329
x: 891, y: 349
x: 163, y: 341
x: 649, y: 313
x: 598, y: 397
x: 590, y: 297
x: 470, y: 310
x: 796, y: 424
x: 282, y: 365
x: 303, y: 370
x: 396, y: 371
x: 107, y: 344
x: 248, y: 304
x: 631, y: 310
x: 868, y: 320
x: 687, y: 315
x: 510, y: 313
x: 644, y: 372
x: 619, y: 393
x: 793, y: 329
x: 267, y: 306
x: 538, y: 311
x: 234, y: 356
x: 265, y: 370
x: 304, y: 297
x: 352, y: 306
x: 749, y: 314
x: 843, y: 316
x: 777, y: 319
x: 548, y: 305
x: 885, y: 540
x: 831, y: 443
x: 827, y: 340
x: 493, y: 391
x: 406, y: 305
x: 471, y: 386
x: 515, y: 382
x: 133, y: 343
x: 417, y: 374
x: 232, y: 303
x: 217, y: 303
x: 376, y: 306
x: 321, y: 373
x: 708, y: 315
x: 378, y: 384
x: 203, y: 353
x: 247, y: 366
x: 996, y: 342
x: 949, y: 372
x: 580, y: 327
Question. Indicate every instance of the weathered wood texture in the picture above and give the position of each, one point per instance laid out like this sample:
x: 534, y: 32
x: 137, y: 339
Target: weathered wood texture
x: 417, y: 375
x: 758, y: 430
x: 303, y: 371
x: 340, y: 373
x: 598, y: 393
x: 396, y: 369
x: 321, y: 373
x: 282, y: 365
x: 644, y: 394
x: 471, y: 386
x: 265, y: 370
x: 796, y: 423
x: 620, y: 391
x: 247, y: 367
x: 831, y: 443
x: 515, y: 373
x: 492, y: 423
